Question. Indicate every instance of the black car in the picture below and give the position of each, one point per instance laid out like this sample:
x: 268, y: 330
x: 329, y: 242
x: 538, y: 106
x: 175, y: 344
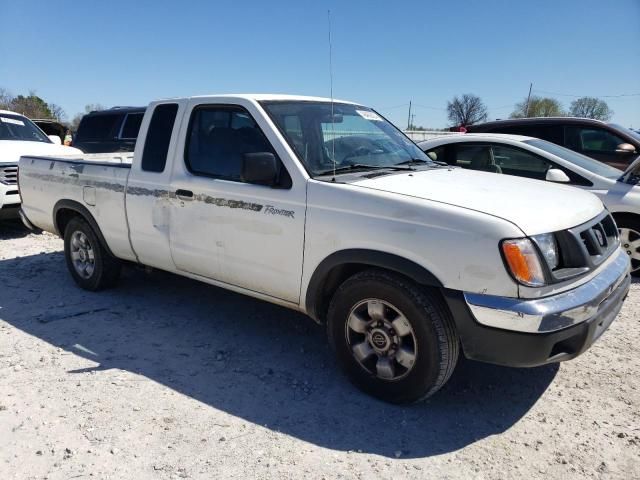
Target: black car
x: 51, y: 127
x: 113, y: 130
x: 607, y: 142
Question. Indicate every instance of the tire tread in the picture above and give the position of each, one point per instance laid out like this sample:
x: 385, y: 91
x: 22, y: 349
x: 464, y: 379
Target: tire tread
x: 431, y: 302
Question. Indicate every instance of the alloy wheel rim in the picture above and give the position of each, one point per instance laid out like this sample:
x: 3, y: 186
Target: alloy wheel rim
x: 381, y: 339
x: 82, y: 255
x: 630, y: 242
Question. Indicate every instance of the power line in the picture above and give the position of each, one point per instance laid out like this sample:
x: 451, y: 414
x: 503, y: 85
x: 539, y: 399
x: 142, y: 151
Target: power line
x: 425, y: 106
x: 511, y: 105
x: 578, y: 96
x: 393, y: 107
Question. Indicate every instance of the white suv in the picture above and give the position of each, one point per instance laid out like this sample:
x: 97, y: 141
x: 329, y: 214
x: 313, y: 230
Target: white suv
x: 20, y: 136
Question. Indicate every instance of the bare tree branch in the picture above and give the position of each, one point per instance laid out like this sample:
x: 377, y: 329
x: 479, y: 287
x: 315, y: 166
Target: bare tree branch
x: 466, y: 110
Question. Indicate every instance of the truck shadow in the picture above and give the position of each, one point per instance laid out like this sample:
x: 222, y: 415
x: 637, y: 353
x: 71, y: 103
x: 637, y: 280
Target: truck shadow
x: 12, y: 228
x: 254, y: 360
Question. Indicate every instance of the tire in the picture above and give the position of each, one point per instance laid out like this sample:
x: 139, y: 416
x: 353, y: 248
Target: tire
x: 629, y: 228
x: 90, y: 264
x: 404, y: 367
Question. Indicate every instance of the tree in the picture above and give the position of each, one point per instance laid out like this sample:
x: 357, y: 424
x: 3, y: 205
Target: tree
x: 466, y: 110
x: 590, y: 107
x: 5, y: 99
x: 31, y: 106
x: 57, y: 112
x: 538, y: 107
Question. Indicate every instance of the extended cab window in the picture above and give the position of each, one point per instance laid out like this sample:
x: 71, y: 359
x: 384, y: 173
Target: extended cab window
x: 219, y: 137
x: 156, y: 145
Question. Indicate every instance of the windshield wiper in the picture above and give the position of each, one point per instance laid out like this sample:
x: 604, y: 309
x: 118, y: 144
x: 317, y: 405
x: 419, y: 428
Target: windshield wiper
x: 362, y: 166
x: 419, y: 161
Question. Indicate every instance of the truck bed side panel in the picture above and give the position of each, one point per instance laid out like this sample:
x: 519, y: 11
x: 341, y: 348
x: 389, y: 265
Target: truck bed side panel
x: 99, y: 187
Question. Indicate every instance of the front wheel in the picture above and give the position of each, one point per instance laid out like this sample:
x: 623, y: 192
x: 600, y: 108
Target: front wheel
x: 629, y: 229
x: 90, y: 264
x: 393, y: 338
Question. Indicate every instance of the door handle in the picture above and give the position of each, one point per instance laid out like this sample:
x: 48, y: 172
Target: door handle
x: 184, y: 194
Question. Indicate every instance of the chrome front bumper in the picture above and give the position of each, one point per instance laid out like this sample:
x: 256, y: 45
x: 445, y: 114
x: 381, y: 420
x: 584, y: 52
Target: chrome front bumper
x: 602, y: 297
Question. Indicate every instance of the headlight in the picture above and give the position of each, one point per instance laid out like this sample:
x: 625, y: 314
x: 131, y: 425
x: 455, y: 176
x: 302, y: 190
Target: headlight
x: 523, y: 261
x: 549, y: 248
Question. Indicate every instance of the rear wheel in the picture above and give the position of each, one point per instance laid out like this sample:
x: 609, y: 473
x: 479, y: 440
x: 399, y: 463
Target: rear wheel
x: 629, y: 229
x: 90, y: 264
x: 393, y: 338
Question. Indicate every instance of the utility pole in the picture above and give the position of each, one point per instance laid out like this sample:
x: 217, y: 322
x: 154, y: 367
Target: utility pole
x: 409, y: 118
x: 526, y: 113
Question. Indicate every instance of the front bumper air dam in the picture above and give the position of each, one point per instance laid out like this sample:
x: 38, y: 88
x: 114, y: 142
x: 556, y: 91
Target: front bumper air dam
x: 527, y: 333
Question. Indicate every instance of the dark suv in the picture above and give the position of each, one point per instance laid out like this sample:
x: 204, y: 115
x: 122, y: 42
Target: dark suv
x: 113, y: 130
x: 607, y: 142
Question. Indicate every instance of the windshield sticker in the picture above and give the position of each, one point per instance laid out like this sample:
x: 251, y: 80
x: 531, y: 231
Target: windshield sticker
x: 12, y: 120
x: 369, y: 115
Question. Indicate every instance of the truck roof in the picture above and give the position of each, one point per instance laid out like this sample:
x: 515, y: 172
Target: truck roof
x: 258, y: 97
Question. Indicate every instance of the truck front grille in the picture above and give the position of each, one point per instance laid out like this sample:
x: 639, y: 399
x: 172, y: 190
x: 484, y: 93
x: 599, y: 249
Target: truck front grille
x: 600, y: 238
x: 9, y: 174
x: 584, y: 247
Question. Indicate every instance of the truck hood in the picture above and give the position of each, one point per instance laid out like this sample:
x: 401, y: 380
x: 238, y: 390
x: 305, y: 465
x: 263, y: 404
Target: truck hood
x: 533, y: 205
x: 12, y: 150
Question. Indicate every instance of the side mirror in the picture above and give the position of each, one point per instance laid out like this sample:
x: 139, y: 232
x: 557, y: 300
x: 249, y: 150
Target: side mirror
x: 55, y: 139
x: 259, y: 168
x: 557, y: 175
x: 625, y: 148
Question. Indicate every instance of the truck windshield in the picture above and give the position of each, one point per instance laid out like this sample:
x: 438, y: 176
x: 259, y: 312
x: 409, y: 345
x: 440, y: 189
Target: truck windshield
x: 17, y: 127
x: 354, y: 136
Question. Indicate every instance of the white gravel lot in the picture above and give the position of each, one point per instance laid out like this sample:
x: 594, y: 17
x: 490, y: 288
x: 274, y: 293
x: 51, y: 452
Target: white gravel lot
x: 164, y: 377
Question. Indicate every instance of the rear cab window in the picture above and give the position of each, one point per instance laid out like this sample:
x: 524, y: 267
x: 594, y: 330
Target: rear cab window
x: 156, y: 145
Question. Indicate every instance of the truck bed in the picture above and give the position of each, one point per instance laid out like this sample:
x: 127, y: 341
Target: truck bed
x: 96, y: 181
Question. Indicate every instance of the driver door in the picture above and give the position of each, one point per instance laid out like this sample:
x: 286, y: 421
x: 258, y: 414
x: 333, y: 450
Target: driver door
x: 241, y: 234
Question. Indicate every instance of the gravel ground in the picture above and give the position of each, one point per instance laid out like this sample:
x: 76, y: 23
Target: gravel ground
x: 164, y: 377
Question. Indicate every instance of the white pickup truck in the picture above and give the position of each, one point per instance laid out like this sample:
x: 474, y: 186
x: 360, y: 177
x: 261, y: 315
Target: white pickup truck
x: 326, y: 208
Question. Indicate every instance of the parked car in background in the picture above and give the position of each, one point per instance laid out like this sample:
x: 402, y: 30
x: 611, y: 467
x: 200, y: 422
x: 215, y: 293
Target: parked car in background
x: 20, y: 136
x: 51, y: 128
x: 106, y: 131
x: 542, y: 160
x: 326, y: 208
x: 606, y: 142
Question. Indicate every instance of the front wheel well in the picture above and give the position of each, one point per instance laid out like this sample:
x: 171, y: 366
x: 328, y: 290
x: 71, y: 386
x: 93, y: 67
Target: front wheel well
x: 338, y: 267
x: 620, y: 217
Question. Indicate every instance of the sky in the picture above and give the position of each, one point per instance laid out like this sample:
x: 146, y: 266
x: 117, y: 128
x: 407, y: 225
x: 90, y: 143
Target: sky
x: 385, y: 53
